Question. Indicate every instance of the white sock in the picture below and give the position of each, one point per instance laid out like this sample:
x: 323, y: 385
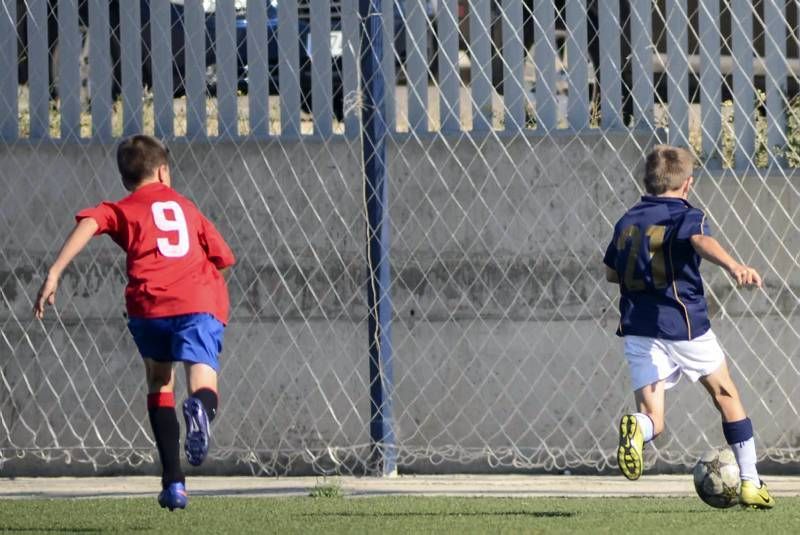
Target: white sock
x: 646, y: 425
x: 745, y: 453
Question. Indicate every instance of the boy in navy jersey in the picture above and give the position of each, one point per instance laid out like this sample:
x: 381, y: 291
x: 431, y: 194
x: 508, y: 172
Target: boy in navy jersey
x: 655, y: 256
x: 176, y: 298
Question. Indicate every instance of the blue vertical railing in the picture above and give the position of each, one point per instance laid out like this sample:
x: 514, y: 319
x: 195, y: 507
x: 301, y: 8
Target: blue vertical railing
x: 384, y: 458
x: 477, y: 81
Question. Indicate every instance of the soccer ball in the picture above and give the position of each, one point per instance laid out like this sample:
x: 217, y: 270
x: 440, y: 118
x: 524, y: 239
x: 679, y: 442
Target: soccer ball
x: 716, y: 478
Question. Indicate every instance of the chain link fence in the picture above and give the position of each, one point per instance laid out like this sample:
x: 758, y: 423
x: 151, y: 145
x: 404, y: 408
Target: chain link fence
x: 515, y: 133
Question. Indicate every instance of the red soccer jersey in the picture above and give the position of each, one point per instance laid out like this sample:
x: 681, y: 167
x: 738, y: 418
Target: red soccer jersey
x: 174, y: 253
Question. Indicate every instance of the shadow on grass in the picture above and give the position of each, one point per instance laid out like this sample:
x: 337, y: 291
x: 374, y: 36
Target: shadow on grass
x: 534, y: 514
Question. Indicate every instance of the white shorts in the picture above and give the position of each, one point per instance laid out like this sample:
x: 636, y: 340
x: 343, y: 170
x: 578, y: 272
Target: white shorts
x: 653, y: 359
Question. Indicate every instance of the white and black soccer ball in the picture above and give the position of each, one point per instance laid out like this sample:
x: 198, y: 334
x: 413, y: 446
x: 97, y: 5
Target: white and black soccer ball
x: 716, y: 478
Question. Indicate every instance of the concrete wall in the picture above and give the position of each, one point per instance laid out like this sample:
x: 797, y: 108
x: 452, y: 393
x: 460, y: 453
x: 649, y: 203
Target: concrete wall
x: 505, y: 357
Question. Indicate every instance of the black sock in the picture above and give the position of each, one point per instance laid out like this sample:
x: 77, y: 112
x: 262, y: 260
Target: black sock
x: 209, y: 399
x: 166, y: 431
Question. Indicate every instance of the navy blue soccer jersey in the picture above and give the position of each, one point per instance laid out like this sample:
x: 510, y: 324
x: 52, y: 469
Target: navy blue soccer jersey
x: 659, y: 270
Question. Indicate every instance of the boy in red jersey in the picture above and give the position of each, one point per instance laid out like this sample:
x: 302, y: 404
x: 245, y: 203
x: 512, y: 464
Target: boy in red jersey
x: 176, y: 298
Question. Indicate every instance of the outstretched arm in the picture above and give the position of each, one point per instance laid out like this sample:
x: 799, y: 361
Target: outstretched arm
x: 710, y: 249
x: 76, y: 241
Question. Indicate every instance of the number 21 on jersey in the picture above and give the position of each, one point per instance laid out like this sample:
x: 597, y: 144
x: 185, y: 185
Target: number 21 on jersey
x: 655, y: 256
x: 168, y: 216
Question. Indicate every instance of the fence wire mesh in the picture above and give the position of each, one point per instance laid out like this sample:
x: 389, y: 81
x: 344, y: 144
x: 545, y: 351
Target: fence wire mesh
x: 516, y: 130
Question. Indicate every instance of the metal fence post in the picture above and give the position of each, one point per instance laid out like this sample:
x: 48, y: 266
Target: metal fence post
x: 384, y: 452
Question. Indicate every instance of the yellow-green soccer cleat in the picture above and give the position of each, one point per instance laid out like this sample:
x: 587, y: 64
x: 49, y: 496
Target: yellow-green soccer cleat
x: 753, y: 497
x: 630, y: 455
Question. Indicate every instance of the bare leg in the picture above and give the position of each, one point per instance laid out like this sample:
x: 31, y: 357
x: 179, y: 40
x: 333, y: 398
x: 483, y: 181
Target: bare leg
x: 634, y: 429
x: 650, y: 401
x: 160, y: 376
x: 199, y: 376
x: 736, y: 426
x: 724, y: 394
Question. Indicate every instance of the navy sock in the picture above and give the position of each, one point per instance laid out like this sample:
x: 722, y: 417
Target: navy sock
x: 210, y: 401
x: 739, y: 435
x: 739, y: 431
x: 166, y: 431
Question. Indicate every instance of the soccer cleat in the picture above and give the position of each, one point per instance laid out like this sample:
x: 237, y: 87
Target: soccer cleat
x: 755, y: 497
x: 173, y: 496
x: 630, y: 455
x: 197, y: 431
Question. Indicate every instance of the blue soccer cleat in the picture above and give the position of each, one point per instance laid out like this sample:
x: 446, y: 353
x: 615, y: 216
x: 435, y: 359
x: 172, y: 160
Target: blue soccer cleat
x: 197, y: 431
x: 173, y: 496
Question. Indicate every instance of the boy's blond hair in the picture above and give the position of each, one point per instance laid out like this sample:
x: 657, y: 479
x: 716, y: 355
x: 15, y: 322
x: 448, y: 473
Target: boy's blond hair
x: 665, y: 169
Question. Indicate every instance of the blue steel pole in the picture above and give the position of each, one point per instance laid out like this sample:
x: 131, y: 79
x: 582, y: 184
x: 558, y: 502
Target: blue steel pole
x: 381, y: 426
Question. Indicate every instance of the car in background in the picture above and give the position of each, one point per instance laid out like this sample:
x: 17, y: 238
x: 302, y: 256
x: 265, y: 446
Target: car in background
x: 178, y: 39
x: 177, y: 34
x: 305, y: 45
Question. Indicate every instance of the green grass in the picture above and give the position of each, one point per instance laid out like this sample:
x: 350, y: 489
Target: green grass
x: 326, y: 490
x: 395, y: 515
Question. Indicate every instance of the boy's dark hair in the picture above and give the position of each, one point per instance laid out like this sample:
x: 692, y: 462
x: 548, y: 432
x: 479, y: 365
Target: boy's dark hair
x: 666, y: 168
x: 138, y: 157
